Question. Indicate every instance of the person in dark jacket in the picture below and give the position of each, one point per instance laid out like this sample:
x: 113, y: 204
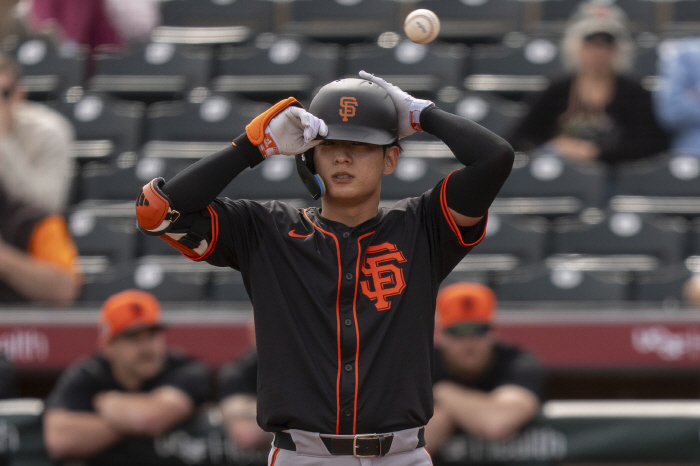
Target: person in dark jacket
x: 596, y: 113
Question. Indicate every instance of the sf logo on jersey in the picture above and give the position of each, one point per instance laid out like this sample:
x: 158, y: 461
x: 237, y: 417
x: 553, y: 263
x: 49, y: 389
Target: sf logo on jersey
x: 348, y: 105
x: 383, y: 277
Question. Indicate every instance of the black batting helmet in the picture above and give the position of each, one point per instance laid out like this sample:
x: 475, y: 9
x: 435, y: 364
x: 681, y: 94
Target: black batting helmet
x: 354, y: 110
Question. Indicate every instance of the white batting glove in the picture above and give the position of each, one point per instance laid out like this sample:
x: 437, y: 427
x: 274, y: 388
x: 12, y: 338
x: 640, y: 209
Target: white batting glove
x: 407, y: 106
x: 292, y: 131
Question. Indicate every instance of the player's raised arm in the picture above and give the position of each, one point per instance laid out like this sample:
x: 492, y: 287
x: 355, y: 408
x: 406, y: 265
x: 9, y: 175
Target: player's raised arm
x: 163, y: 209
x: 487, y: 157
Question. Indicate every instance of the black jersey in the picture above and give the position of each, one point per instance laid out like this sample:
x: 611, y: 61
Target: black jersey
x: 79, y: 384
x: 509, y: 366
x: 344, y: 316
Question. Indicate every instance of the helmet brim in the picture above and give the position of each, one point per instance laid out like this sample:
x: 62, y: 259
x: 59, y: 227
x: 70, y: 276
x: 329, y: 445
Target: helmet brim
x: 376, y: 136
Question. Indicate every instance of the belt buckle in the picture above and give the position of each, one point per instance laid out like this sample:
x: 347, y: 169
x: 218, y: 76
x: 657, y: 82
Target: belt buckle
x: 355, y: 446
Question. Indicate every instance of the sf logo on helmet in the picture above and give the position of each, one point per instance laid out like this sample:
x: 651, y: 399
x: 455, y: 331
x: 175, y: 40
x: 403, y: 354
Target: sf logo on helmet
x: 348, y: 105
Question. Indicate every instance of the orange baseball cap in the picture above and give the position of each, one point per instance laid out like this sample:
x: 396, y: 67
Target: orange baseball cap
x: 129, y: 311
x: 466, y: 308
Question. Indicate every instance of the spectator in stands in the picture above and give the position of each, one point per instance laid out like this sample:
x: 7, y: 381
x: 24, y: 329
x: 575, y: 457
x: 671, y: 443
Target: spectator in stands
x: 481, y: 386
x: 595, y: 113
x: 96, y: 22
x: 677, y: 98
x: 36, y: 164
x: 8, y: 379
x: 238, y: 395
x: 133, y: 387
x: 38, y: 259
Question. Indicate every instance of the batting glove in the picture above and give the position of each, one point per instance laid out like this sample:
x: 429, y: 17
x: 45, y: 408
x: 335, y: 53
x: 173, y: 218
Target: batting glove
x: 407, y: 106
x: 293, y: 131
x: 285, y: 128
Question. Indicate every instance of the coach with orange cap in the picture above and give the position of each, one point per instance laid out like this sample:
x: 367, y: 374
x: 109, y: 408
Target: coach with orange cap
x: 481, y: 386
x: 133, y: 387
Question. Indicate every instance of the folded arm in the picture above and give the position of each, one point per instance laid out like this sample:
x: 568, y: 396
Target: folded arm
x: 74, y: 434
x: 494, y: 415
x: 148, y: 414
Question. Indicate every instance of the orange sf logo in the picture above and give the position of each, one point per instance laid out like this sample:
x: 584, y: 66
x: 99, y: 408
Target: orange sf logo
x: 348, y: 105
x: 387, y: 279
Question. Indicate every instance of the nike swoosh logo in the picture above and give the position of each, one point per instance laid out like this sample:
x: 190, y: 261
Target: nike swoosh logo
x: 293, y: 234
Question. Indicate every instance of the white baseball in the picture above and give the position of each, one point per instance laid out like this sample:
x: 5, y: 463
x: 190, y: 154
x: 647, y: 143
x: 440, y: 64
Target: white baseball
x: 421, y: 26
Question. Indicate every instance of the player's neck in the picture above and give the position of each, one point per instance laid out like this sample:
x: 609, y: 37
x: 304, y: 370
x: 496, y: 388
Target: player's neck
x: 349, y: 215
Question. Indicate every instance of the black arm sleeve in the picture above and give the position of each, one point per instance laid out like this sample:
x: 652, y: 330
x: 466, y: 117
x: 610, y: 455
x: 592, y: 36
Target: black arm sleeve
x: 488, y: 159
x: 195, y: 187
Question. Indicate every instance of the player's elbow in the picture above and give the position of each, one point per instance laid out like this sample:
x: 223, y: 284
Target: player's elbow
x: 504, y: 155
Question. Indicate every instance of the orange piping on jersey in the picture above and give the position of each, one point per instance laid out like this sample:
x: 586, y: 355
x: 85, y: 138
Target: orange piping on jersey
x: 234, y: 144
x: 357, y: 329
x: 451, y: 221
x: 429, y: 455
x: 214, y: 233
x: 337, y: 322
x: 274, y: 457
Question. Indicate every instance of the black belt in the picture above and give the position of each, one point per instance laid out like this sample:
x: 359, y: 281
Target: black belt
x: 362, y: 445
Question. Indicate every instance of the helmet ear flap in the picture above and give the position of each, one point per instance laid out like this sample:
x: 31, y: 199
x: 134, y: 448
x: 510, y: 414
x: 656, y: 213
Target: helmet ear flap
x: 305, y: 169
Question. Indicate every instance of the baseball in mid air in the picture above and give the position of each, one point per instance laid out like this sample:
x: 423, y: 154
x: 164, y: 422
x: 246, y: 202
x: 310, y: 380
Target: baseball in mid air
x: 421, y: 26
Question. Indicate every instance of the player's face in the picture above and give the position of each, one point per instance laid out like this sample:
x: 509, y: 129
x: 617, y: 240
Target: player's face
x: 469, y: 354
x: 140, y: 354
x: 352, y: 171
x: 597, y: 56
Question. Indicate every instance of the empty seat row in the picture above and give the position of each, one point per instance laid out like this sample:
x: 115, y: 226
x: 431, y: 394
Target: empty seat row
x: 174, y: 279
x: 545, y: 186
x: 361, y: 19
x: 615, y: 242
x: 279, y: 66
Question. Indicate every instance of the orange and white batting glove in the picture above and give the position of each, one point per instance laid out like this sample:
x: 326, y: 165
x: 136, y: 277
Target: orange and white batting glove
x: 407, y: 106
x: 286, y: 129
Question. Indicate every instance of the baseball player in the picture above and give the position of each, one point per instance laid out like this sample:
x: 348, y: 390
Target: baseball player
x: 343, y: 296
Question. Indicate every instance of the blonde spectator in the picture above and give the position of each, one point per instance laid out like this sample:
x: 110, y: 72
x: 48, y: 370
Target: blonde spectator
x: 596, y: 113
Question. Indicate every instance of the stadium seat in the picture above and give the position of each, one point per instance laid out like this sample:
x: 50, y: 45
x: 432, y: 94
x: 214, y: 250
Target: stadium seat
x: 154, y: 71
x: 275, y: 178
x: 111, y: 181
x: 415, y: 175
x: 666, y: 185
x: 620, y: 241
x: 287, y: 66
x: 194, y: 130
x: 550, y: 186
x: 685, y: 19
x: 522, y: 240
x: 554, y: 14
x: 227, y: 285
x: 521, y: 67
x: 104, y: 230
x: 420, y: 69
x: 475, y: 21
x: 213, y: 21
x: 664, y: 286
x: 48, y: 69
x: 104, y: 126
x: 491, y: 111
x: 343, y: 20
x: 562, y: 285
x: 170, y: 279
